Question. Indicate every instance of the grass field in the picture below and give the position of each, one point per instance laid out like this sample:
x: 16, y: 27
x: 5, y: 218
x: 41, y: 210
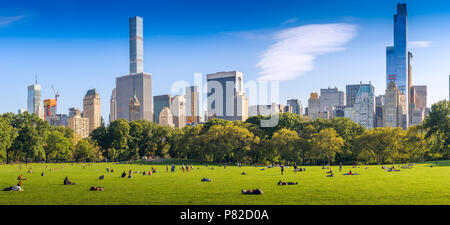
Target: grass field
x: 420, y: 185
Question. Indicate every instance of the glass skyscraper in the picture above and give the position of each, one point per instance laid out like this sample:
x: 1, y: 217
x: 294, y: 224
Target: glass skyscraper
x: 34, y: 98
x: 397, y: 55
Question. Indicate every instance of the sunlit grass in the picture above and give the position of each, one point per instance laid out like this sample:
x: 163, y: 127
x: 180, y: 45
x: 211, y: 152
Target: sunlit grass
x: 421, y: 185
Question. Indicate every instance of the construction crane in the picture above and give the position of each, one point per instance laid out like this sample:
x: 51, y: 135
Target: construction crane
x: 56, y: 93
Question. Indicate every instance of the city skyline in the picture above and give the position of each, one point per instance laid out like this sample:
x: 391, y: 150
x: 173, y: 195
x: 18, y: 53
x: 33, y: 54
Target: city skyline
x: 298, y: 85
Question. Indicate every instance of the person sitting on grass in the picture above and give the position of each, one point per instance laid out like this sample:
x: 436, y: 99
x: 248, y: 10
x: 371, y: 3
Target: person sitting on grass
x: 112, y: 170
x: 252, y: 192
x: 102, y: 177
x: 206, y: 179
x: 129, y: 174
x: 153, y: 170
x: 67, y: 181
x: 124, y: 174
x: 286, y: 183
x: 21, y: 177
x: 42, y: 174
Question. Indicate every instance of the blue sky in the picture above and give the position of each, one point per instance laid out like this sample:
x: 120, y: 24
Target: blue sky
x: 79, y: 45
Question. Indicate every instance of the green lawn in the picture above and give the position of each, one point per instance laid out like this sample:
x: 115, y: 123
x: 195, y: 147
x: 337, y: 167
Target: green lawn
x: 421, y: 185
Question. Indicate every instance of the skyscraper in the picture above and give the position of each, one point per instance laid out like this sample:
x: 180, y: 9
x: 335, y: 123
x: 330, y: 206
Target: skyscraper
x: 226, y: 96
x: 160, y: 101
x: 397, y: 56
x: 136, y: 45
x: 91, y: 109
x: 192, y: 104
x: 138, y: 83
x: 313, y: 106
x: 351, y: 90
x: 34, y: 98
x: 177, y: 106
x: 331, y: 97
x: 297, y: 107
x: 112, y: 106
x: 365, y: 106
x: 394, y: 109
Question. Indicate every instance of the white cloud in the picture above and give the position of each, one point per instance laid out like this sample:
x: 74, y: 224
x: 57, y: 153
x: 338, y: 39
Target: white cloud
x: 296, y: 49
x: 7, y: 20
x: 290, y: 21
x: 419, y: 44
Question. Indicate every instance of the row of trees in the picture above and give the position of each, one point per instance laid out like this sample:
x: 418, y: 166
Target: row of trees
x: 25, y: 137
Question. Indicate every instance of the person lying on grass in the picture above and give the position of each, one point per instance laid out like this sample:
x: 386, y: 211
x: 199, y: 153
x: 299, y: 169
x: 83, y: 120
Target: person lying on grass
x: 21, y: 177
x: 330, y: 175
x: 14, y: 188
x: 94, y: 188
x: 206, y: 179
x: 68, y: 182
x: 252, y: 192
x: 350, y: 173
x: 331, y: 171
x: 243, y: 173
x: 286, y: 183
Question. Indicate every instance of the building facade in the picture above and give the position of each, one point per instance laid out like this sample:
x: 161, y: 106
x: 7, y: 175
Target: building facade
x: 34, y: 98
x: 226, y: 97
x: 112, y: 106
x: 178, y: 109
x: 313, y: 106
x: 331, y: 97
x: 192, y: 105
x: 160, y: 102
x: 365, y: 106
x: 394, y: 109
x: 134, y: 108
x: 79, y: 124
x: 166, y: 117
x: 91, y: 109
x: 296, y: 105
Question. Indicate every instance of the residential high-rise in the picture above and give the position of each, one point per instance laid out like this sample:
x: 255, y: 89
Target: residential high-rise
x: 91, y: 109
x: 178, y: 109
x: 138, y: 83
x: 394, y: 109
x: 313, y: 106
x: 49, y: 107
x: 379, y: 102
x: 80, y: 125
x: 331, y: 97
x: 134, y: 108
x: 297, y: 107
x: 166, y: 117
x: 226, y: 96
x: 192, y: 105
x: 365, y: 106
x: 397, y: 56
x: 160, y: 101
x: 418, y: 96
x: 112, y: 106
x: 136, y: 45
x: 34, y: 98
x: 351, y: 90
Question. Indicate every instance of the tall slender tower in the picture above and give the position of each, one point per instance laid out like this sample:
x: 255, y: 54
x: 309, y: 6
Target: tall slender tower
x: 137, y: 84
x: 397, y: 56
x: 136, y: 45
